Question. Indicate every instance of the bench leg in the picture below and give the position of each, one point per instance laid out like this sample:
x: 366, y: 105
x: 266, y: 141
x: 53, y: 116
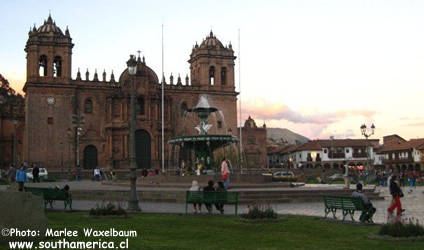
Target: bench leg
x: 327, y: 211
x: 351, y: 213
x: 345, y: 212
x: 334, y: 210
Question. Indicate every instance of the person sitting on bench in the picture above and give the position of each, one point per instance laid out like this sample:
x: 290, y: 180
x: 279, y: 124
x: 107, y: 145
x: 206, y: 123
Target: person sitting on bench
x: 369, y: 208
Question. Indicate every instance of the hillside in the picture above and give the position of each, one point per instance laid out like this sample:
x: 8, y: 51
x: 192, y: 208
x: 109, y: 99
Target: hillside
x: 283, y: 135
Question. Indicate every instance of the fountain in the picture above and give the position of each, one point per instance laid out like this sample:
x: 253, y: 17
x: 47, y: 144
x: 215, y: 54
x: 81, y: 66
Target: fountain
x: 203, y: 144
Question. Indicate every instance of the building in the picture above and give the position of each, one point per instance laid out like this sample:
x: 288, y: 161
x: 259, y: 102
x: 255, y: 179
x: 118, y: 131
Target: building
x: 85, y: 122
x: 254, y: 141
x: 398, y: 153
x: 328, y: 153
x: 11, y: 125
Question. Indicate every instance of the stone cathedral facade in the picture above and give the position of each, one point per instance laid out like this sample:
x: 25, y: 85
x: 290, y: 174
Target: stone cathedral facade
x: 85, y: 120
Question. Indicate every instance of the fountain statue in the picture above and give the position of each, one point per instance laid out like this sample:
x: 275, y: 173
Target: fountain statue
x: 203, y: 144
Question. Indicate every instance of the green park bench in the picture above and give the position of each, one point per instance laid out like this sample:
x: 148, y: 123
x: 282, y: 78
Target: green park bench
x: 348, y: 205
x: 213, y: 198
x: 51, y: 194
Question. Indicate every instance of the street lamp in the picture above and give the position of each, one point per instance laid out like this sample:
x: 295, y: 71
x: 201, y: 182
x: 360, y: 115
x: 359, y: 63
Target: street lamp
x: 15, y: 123
x: 133, y: 201
x: 367, y: 133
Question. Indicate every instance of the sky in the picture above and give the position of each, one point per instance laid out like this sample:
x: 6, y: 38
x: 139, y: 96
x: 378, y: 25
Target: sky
x: 318, y: 68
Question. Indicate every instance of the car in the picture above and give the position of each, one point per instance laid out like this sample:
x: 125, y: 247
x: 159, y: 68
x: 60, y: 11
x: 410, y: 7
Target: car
x: 283, y: 176
x: 43, y: 174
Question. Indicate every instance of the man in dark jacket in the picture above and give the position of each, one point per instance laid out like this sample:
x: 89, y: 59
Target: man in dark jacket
x: 397, y: 193
x: 35, y: 174
x: 209, y: 188
x: 369, y: 208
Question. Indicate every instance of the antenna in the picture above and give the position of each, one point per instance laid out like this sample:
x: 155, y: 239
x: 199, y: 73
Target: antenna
x: 240, y: 124
x: 163, y: 117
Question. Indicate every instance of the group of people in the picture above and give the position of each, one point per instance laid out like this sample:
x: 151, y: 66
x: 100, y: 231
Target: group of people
x: 209, y: 188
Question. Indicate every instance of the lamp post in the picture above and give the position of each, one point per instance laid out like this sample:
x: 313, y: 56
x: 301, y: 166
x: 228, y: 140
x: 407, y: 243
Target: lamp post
x: 367, y: 132
x: 15, y: 122
x: 133, y: 201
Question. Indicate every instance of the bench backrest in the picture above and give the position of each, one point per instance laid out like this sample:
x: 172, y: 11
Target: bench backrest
x: 343, y: 202
x: 48, y: 193
x: 211, y: 197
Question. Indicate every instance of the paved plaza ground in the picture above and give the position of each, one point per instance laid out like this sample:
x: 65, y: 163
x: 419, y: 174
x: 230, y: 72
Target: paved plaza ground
x: 413, y: 202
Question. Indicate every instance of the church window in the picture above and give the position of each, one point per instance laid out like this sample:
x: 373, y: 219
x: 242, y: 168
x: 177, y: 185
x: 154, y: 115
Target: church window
x: 88, y: 106
x: 219, y: 124
x: 140, y: 105
x: 57, y: 66
x: 50, y: 120
x: 212, y: 75
x: 223, y: 76
x: 42, y: 66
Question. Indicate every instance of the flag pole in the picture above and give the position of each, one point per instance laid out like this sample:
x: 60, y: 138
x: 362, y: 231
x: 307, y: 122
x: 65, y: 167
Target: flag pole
x: 163, y: 117
x: 240, y: 124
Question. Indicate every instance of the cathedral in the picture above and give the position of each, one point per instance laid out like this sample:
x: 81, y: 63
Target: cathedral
x: 85, y: 121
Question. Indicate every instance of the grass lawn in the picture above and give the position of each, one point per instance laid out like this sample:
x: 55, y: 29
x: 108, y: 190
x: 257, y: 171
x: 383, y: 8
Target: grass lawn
x: 157, y: 231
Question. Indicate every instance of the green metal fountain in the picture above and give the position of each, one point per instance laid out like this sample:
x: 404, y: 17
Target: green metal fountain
x: 203, y: 144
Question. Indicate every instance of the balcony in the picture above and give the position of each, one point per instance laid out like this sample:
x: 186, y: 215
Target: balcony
x: 359, y: 155
x: 336, y: 155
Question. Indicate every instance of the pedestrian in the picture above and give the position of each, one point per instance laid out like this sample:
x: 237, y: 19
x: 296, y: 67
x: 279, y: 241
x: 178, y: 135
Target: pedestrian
x: 35, y: 174
x: 209, y: 188
x: 113, y: 176
x: 225, y: 173
x: 97, y: 174
x: 11, y: 173
x: 346, y: 175
x: 182, y: 168
x: 396, y: 193
x: 196, y: 188
x: 21, y: 178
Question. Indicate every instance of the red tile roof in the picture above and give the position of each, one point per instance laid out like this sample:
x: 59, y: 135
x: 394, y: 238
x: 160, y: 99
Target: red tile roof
x: 413, y: 143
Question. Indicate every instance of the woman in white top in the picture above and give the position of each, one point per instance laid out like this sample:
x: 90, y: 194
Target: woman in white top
x: 195, y: 187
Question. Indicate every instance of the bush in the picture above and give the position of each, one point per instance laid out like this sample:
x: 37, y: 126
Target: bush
x: 4, y: 182
x: 259, y: 212
x: 311, y: 180
x: 402, y: 229
x: 107, y: 209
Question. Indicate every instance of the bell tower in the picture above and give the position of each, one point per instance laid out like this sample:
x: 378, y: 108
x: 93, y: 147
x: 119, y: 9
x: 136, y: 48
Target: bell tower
x: 212, y: 65
x: 49, y: 54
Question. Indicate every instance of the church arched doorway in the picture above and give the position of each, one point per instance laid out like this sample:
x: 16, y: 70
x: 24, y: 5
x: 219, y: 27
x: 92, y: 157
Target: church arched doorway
x: 90, y: 157
x: 142, y: 148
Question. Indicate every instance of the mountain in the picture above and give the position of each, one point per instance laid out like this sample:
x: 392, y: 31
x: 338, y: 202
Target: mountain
x: 283, y: 136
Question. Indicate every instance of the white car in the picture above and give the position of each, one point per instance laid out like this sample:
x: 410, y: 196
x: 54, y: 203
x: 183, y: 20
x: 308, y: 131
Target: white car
x: 42, y: 175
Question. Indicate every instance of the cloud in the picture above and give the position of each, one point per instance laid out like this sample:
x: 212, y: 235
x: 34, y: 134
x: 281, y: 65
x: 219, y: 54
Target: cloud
x: 416, y: 124
x: 312, y: 124
x: 266, y: 110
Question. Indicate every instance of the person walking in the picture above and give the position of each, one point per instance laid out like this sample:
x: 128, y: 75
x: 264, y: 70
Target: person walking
x: 346, y: 176
x: 225, y: 173
x: 35, y: 174
x: 196, y: 188
x: 21, y: 178
x: 396, y: 193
